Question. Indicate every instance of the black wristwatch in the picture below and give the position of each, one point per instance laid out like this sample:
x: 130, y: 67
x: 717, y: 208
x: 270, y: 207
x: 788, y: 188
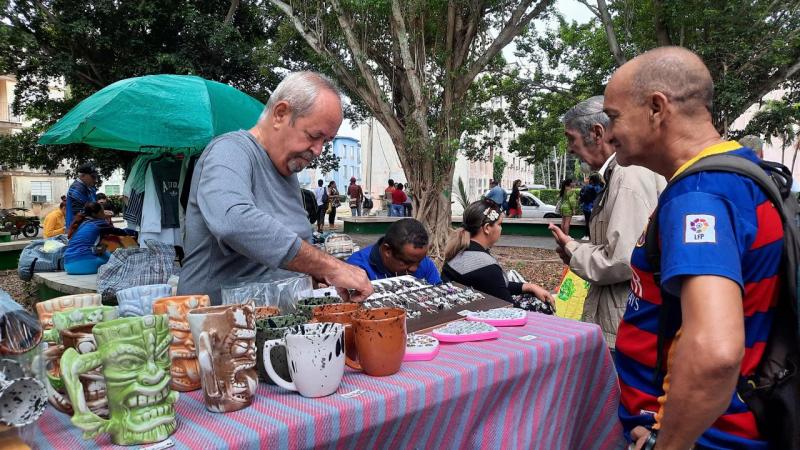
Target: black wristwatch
x: 650, y: 443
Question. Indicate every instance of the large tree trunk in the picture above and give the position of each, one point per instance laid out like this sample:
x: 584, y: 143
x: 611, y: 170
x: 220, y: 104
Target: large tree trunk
x: 431, y: 186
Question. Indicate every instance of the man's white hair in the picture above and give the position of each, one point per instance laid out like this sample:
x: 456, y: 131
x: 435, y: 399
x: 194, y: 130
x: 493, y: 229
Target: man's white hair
x: 300, y: 91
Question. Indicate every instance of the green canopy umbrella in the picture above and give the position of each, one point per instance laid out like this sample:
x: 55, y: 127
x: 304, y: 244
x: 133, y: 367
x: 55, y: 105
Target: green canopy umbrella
x: 155, y: 112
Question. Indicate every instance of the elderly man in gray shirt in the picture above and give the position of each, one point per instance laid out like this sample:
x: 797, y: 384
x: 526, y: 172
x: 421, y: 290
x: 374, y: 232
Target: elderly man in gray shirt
x: 245, y: 216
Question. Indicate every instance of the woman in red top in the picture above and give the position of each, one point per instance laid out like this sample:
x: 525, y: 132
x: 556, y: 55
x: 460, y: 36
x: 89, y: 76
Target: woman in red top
x: 398, y: 198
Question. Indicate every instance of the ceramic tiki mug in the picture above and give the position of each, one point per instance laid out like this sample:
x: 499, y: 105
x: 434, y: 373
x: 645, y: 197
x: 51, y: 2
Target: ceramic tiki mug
x: 64, y: 320
x: 273, y: 328
x: 134, y: 354
x: 315, y: 352
x: 339, y: 313
x: 380, y: 337
x: 225, y: 339
x: 81, y: 339
x: 138, y: 300
x: 78, y: 316
x: 184, y: 370
x: 46, y: 309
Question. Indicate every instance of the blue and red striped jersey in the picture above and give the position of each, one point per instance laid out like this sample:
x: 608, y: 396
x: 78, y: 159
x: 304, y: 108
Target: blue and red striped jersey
x: 710, y: 223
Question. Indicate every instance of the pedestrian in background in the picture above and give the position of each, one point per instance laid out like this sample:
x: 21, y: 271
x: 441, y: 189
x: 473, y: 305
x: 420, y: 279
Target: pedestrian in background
x: 514, y: 203
x: 333, y: 202
x: 567, y: 203
x: 398, y: 198
x: 322, y: 204
x: 356, y: 195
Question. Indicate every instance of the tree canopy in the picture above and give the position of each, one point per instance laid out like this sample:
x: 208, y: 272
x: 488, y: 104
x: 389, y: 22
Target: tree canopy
x: 86, y: 45
x: 751, y: 48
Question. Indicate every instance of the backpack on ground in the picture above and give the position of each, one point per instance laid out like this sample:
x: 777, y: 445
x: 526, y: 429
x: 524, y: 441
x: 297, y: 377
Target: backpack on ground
x: 773, y: 393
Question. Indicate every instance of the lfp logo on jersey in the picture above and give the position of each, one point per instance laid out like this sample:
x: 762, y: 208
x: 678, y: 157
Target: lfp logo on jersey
x: 700, y: 228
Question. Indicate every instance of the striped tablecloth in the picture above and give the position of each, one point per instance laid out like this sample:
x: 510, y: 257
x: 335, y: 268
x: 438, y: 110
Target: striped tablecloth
x: 557, y: 391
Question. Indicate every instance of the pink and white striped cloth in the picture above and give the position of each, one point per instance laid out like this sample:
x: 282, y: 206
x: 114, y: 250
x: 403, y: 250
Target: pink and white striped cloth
x: 555, y: 391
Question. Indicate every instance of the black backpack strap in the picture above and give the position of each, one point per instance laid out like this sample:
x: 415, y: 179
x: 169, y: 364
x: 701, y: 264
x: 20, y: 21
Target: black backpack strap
x: 774, y: 179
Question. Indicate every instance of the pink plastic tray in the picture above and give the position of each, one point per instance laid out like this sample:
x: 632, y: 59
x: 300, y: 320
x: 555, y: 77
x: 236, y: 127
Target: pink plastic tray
x: 501, y: 322
x: 421, y: 353
x: 466, y: 337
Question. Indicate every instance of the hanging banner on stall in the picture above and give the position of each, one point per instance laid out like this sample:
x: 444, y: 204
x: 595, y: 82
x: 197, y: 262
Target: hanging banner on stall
x: 570, y: 295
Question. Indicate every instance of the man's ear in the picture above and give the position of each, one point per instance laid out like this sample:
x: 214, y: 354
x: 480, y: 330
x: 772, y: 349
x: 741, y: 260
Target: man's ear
x: 281, y: 114
x: 597, y: 133
x: 658, y: 105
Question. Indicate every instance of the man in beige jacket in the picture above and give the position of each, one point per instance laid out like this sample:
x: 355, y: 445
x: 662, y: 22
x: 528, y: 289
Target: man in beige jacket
x: 618, y: 218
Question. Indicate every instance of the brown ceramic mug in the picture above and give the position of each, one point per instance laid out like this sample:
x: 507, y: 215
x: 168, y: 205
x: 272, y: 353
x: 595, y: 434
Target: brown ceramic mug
x: 380, y: 338
x: 339, y: 313
x: 183, y: 368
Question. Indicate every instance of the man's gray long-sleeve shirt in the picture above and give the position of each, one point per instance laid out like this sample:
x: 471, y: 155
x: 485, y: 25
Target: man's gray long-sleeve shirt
x: 243, y: 218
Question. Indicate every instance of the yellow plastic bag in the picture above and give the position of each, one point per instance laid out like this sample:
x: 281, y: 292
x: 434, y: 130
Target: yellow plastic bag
x: 570, y: 295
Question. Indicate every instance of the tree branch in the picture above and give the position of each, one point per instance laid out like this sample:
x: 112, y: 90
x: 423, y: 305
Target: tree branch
x: 370, y: 95
x: 512, y: 28
x: 360, y: 60
x: 660, y: 23
x: 231, y: 12
x: 769, y: 85
x: 419, y: 112
x: 592, y: 8
x: 611, y: 36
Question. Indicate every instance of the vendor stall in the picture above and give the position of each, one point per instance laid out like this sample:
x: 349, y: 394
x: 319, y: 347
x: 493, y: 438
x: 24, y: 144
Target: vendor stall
x: 549, y: 384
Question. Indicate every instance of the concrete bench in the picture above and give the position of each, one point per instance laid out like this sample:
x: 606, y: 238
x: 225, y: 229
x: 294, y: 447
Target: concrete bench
x: 514, y: 227
x: 9, y: 253
x: 56, y: 284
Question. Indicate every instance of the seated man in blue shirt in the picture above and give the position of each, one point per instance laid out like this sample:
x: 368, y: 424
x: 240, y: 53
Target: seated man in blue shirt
x: 402, y: 251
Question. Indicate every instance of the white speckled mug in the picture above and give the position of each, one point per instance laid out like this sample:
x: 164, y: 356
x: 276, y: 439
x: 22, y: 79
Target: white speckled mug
x: 315, y: 353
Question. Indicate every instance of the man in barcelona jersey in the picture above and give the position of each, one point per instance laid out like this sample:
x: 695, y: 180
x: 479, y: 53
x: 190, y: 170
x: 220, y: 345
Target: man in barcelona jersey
x: 720, y: 244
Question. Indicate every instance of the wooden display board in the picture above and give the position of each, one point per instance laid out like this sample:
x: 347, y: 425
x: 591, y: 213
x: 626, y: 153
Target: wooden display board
x: 433, y: 319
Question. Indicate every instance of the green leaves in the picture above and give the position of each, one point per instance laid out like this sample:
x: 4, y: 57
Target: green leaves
x: 87, y: 45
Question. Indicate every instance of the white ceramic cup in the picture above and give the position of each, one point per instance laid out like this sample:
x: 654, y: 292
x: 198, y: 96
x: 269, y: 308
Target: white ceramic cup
x: 315, y: 353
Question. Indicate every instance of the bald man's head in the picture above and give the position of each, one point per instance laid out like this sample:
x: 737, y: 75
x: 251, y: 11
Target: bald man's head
x: 676, y: 72
x: 653, y: 100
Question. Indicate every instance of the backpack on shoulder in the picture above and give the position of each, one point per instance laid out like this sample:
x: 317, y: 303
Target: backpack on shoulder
x: 773, y: 393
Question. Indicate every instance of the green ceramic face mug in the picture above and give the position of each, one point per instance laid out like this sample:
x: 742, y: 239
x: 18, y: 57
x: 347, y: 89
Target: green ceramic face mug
x: 134, y: 353
x: 64, y: 320
x: 273, y: 328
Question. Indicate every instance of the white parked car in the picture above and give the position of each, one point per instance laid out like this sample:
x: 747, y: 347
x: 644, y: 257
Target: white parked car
x: 535, y: 208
